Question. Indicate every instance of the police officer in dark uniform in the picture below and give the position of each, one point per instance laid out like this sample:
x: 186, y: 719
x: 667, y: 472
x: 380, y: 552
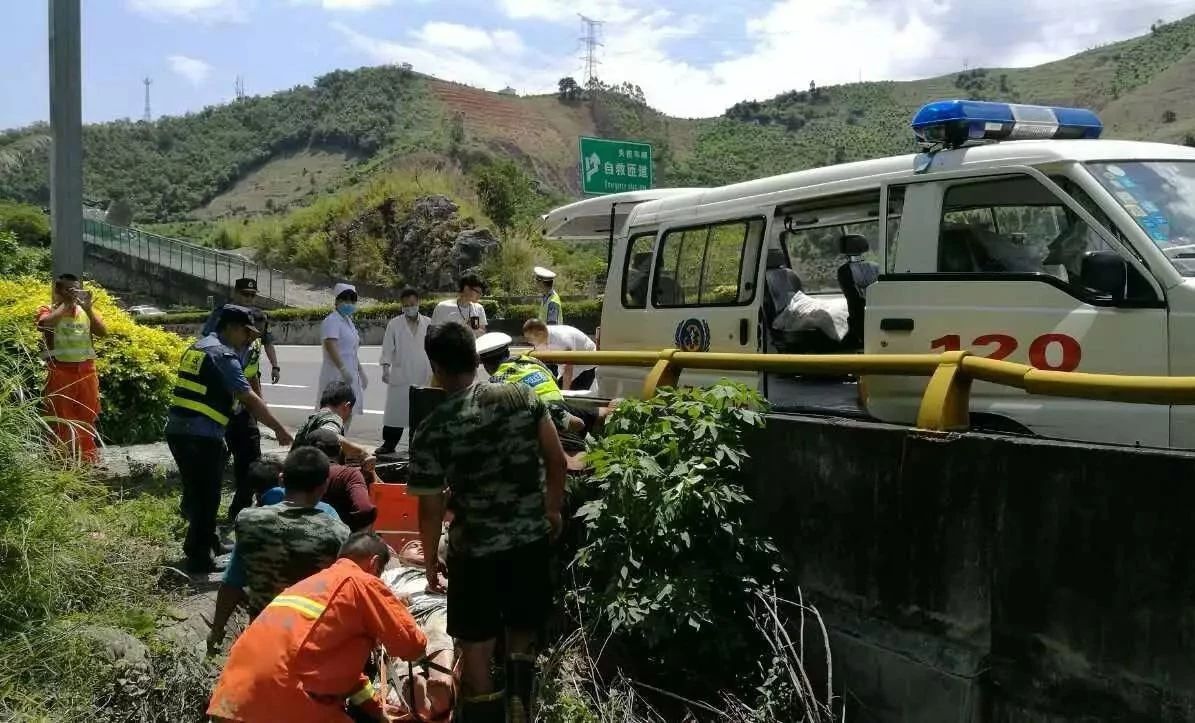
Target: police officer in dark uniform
x: 242, y: 435
x: 211, y: 383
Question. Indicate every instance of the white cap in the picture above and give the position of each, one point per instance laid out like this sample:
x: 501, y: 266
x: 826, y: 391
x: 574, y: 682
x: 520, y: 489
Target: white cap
x: 542, y: 273
x: 491, y: 342
x: 340, y: 288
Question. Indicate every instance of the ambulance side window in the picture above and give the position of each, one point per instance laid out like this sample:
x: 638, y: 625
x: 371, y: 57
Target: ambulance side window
x: 636, y: 270
x: 704, y: 265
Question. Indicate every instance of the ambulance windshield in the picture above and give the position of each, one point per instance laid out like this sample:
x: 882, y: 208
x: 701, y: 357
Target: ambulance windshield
x: 1160, y: 196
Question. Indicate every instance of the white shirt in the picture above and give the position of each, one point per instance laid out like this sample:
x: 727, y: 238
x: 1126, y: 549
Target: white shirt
x: 570, y: 338
x: 452, y: 310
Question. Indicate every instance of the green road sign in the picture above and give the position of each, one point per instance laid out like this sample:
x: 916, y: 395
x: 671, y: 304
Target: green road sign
x: 614, y: 166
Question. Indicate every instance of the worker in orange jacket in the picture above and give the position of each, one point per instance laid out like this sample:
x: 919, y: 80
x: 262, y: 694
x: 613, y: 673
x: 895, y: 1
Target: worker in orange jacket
x: 300, y: 661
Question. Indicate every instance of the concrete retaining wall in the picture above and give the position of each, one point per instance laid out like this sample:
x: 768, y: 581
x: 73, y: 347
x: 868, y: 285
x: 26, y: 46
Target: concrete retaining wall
x: 978, y: 578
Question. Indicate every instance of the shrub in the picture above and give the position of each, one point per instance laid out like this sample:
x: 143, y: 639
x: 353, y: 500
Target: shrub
x: 136, y: 364
x: 30, y: 226
x: 17, y: 260
x: 668, y: 562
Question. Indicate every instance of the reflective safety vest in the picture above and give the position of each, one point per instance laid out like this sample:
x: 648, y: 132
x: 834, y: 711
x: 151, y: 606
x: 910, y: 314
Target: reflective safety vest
x: 552, y: 298
x: 72, y: 338
x: 529, y: 372
x: 253, y: 360
x: 200, y: 388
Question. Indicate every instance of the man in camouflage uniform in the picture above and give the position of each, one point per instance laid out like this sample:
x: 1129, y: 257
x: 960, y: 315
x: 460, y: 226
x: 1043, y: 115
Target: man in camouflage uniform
x: 336, y: 408
x: 278, y: 545
x: 495, y: 447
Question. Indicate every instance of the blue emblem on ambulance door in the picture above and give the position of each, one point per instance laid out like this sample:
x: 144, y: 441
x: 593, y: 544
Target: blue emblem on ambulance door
x: 693, y: 335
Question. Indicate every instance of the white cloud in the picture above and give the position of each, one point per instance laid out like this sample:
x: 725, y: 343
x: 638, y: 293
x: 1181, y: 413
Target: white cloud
x: 700, y: 60
x: 193, y: 69
x: 454, y: 52
x: 351, y: 5
x: 197, y: 10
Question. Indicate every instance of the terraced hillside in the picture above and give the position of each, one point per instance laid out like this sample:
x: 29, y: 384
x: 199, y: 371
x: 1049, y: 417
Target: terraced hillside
x: 230, y: 159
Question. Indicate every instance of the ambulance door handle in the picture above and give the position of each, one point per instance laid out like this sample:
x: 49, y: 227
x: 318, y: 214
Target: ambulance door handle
x: 894, y: 324
x: 744, y: 330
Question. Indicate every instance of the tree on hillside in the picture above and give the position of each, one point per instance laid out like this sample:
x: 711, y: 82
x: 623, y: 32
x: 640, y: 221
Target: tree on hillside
x: 568, y: 89
x: 503, y: 190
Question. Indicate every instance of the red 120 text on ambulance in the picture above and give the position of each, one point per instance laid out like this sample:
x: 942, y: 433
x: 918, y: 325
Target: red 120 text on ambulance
x: 1039, y: 349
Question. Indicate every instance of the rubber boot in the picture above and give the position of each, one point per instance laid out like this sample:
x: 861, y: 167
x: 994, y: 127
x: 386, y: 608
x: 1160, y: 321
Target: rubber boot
x: 520, y: 680
x: 489, y: 708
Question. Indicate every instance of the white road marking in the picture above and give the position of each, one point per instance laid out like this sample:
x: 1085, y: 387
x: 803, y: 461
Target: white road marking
x: 311, y: 408
x: 287, y: 386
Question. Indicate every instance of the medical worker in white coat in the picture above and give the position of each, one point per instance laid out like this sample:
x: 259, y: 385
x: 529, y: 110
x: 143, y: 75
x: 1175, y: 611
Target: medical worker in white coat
x: 404, y: 364
x: 341, y: 342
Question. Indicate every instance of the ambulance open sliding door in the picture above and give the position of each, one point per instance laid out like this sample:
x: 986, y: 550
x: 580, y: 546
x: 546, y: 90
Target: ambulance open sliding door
x: 996, y: 266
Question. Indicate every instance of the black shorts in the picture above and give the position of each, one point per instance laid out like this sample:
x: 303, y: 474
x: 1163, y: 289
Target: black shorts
x: 509, y: 589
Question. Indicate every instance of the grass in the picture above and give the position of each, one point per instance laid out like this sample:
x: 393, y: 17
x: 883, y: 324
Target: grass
x: 77, y: 556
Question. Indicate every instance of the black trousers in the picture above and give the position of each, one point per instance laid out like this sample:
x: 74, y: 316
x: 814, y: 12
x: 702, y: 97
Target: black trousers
x: 244, y: 442
x: 200, y: 463
x: 584, y: 380
x: 391, y: 436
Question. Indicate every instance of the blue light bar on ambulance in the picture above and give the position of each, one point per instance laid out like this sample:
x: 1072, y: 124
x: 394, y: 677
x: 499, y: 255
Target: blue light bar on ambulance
x: 954, y: 123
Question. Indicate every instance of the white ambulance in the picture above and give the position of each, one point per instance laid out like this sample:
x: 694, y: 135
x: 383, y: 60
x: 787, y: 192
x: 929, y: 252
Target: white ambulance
x: 1016, y: 235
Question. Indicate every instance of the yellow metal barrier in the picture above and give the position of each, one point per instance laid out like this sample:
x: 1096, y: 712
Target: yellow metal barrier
x: 946, y: 403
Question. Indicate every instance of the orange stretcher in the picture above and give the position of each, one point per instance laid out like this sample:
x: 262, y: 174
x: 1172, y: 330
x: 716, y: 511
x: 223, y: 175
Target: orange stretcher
x: 398, y: 513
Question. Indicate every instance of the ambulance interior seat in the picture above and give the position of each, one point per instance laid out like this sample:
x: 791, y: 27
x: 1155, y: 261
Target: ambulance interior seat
x: 854, y: 277
x: 781, y: 283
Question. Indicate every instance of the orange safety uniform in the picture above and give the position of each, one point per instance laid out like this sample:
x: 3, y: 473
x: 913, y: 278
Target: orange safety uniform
x: 72, y: 385
x: 301, y: 658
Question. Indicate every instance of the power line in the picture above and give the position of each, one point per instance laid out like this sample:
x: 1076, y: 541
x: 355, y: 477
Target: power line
x: 148, y: 114
x: 591, y: 45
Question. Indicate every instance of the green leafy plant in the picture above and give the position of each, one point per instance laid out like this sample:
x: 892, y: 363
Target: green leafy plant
x: 668, y: 558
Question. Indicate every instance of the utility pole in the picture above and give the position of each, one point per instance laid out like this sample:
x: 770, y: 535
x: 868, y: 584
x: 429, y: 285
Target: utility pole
x: 66, y: 128
x: 591, y: 45
x: 149, y: 116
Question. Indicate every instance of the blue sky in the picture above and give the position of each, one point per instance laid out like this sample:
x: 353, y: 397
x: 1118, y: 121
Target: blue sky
x: 692, y: 58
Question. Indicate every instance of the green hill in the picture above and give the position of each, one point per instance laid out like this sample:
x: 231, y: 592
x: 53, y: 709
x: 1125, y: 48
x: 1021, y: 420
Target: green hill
x: 264, y: 154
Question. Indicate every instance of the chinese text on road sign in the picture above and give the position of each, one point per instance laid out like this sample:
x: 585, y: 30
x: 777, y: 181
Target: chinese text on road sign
x: 614, y: 166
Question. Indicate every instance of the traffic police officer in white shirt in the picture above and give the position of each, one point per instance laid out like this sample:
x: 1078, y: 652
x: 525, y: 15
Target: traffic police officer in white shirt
x: 551, y: 311
x: 559, y: 337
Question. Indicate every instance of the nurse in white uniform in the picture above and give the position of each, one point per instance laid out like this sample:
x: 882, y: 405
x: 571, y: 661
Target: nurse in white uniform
x: 404, y: 365
x: 341, y: 342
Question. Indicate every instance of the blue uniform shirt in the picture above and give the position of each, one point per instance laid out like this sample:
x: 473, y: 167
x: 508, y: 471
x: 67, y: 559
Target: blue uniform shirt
x: 234, y: 380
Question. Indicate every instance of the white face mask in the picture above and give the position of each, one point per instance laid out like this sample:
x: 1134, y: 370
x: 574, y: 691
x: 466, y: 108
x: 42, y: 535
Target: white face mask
x: 411, y: 311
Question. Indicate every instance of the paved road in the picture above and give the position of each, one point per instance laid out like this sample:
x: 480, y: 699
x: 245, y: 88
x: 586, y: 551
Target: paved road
x: 294, y: 398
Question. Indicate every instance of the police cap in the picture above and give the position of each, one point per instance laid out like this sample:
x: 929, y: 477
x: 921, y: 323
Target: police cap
x: 492, y: 344
x: 545, y: 274
x: 246, y: 285
x: 233, y: 314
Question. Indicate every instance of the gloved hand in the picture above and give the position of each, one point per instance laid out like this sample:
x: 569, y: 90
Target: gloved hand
x: 275, y: 375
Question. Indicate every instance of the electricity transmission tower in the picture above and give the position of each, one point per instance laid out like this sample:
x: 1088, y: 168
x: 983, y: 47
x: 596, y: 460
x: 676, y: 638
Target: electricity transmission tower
x: 148, y: 115
x: 240, y: 87
x: 591, y: 45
